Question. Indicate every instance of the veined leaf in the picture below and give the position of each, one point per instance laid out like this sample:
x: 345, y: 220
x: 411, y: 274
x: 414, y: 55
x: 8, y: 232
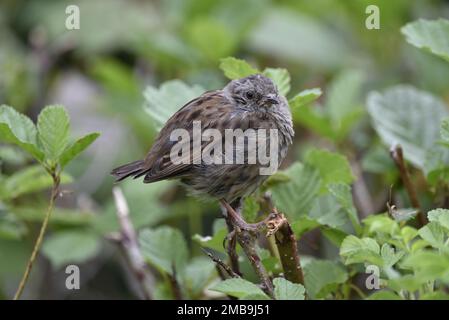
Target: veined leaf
x: 305, y: 97
x: 407, y: 116
x: 165, y: 248
x: 53, y: 127
x: 161, y: 103
x: 19, y: 129
x: 236, y: 68
x: 76, y: 148
x: 280, y: 77
x: 286, y: 290
x: 430, y: 35
x: 238, y: 287
x: 322, y: 277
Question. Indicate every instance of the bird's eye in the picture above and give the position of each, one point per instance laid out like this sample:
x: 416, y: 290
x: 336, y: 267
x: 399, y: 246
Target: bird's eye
x: 250, y: 95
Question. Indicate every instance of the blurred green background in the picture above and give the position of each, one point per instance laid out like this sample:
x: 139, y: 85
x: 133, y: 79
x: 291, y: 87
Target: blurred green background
x: 100, y: 72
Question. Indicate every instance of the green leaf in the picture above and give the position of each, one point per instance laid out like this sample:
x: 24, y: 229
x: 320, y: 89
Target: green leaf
x: 236, y: 68
x: 198, y: 273
x: 77, y: 147
x: 31, y: 179
x: 380, y: 223
x: 440, y: 216
x: 66, y: 247
x: 436, y: 164
x: 333, y: 167
x: 53, y: 127
x: 280, y: 77
x: 296, y: 197
x: 19, y: 129
x: 389, y: 256
x: 407, y: 116
x: 327, y: 212
x: 428, y: 266
x: 304, y: 98
x: 302, y: 225
x: 433, y: 233
x: 322, y: 277
x: 11, y: 227
x: 343, y: 195
x: 342, y: 102
x: 250, y: 209
x: 162, y: 103
x: 211, y: 37
x: 430, y: 35
x: 384, y: 295
x: 286, y: 290
x: 238, y: 288
x: 364, y: 250
x: 165, y: 248
x: 215, y: 242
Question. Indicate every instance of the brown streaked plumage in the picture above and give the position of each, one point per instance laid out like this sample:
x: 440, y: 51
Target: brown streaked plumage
x: 248, y: 103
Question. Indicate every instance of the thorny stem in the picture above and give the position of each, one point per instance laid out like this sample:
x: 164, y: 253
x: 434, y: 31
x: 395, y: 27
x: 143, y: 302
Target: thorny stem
x: 398, y: 157
x: 37, y: 245
x: 128, y: 241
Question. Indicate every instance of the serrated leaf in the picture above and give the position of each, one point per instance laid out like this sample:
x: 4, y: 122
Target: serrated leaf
x: 281, y: 79
x: 53, y: 127
x: 440, y: 216
x: 165, y: 248
x: 161, y: 103
x: 343, y: 195
x: 333, y: 167
x: 428, y: 265
x: 77, y: 147
x: 70, y: 247
x: 430, y: 35
x: 433, y: 233
x: 296, y: 197
x: 286, y: 290
x: 304, y: 98
x: 19, y: 129
x: 389, y: 255
x: 236, y: 68
x: 356, y: 250
x: 237, y: 287
x: 322, y: 277
x: 407, y: 116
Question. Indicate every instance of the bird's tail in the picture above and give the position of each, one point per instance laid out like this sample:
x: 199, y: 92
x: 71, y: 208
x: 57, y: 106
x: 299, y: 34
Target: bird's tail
x: 127, y: 170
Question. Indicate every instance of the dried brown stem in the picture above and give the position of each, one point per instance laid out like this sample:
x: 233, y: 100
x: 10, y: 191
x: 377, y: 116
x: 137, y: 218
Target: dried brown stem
x: 128, y: 241
x: 287, y: 247
x: 398, y: 157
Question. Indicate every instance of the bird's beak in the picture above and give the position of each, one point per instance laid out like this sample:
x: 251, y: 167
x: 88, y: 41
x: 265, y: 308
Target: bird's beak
x: 271, y: 99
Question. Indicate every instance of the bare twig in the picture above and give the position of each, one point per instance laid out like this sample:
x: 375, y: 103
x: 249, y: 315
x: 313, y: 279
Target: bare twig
x: 37, y: 245
x: 129, y: 244
x: 221, y: 264
x: 287, y: 247
x: 246, y: 235
x: 398, y: 157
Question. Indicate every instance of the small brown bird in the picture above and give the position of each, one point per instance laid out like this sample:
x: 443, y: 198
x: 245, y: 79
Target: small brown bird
x: 249, y: 104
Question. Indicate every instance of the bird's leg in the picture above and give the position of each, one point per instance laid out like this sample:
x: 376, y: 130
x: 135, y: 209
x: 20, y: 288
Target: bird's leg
x: 246, y: 235
x: 230, y: 242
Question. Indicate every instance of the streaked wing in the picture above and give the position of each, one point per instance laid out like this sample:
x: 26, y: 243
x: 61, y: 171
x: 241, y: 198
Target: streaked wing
x: 207, y: 108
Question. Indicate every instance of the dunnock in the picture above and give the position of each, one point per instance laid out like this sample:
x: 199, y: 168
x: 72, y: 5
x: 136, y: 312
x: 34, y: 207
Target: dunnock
x: 248, y: 103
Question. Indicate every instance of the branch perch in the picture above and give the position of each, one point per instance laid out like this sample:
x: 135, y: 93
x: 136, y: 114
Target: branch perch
x: 398, y: 157
x: 129, y: 244
x: 246, y: 235
x: 287, y: 247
